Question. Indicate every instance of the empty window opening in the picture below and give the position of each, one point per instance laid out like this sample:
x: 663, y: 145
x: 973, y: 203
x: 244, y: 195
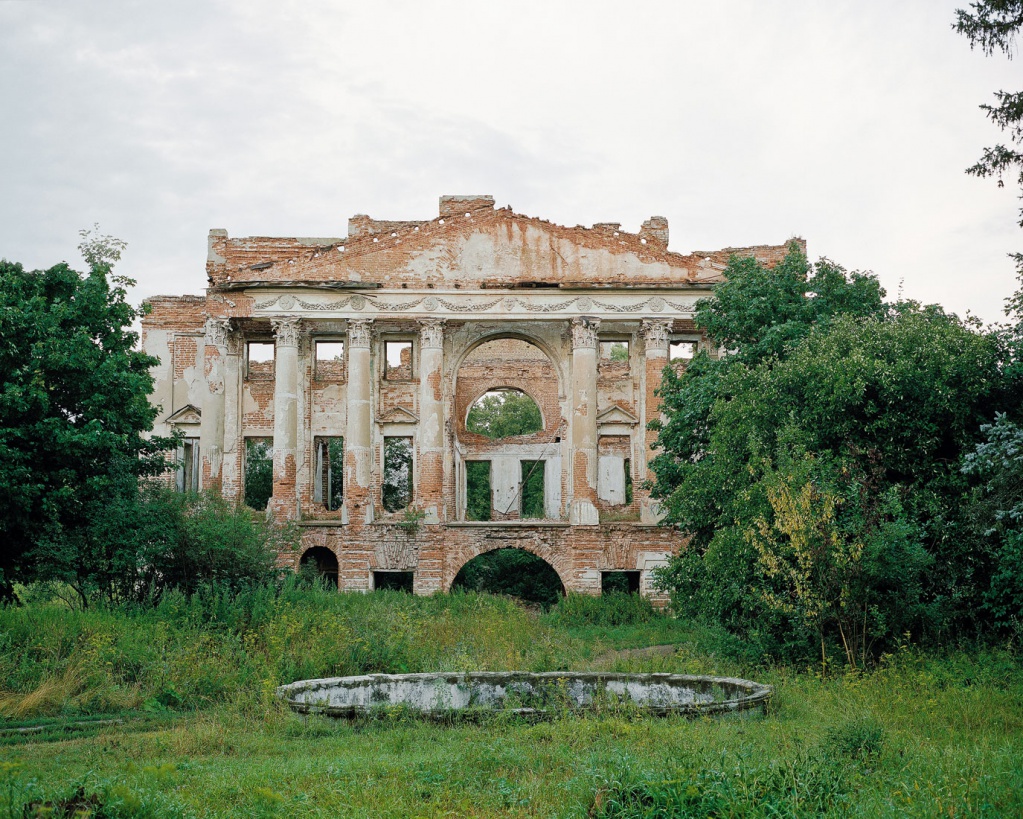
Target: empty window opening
x: 259, y: 360
x: 504, y: 413
x: 187, y: 478
x: 259, y: 471
x: 513, y: 572
x: 330, y: 360
x: 319, y: 564
x: 531, y: 504
x: 394, y: 581
x: 397, y: 485
x: 614, y: 352
x: 330, y: 470
x: 619, y: 582
x: 628, y: 481
x: 398, y: 358
x: 478, y: 494
x: 681, y: 350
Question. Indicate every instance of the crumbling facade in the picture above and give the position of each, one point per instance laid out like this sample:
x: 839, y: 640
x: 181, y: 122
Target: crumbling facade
x: 357, y: 360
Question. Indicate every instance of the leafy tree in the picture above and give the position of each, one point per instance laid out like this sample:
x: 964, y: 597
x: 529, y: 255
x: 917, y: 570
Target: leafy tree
x: 74, y: 412
x: 993, y: 26
x: 815, y: 469
x: 503, y: 413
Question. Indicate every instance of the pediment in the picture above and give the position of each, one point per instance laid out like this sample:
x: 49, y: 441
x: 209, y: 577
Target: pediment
x: 398, y: 415
x: 188, y: 414
x: 616, y: 415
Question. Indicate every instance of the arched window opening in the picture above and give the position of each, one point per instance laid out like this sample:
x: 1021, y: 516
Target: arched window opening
x: 320, y: 564
x: 503, y: 413
x: 512, y: 572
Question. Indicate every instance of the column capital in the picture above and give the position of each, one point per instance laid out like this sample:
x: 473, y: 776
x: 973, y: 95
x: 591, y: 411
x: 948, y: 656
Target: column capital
x: 432, y: 332
x: 584, y: 332
x: 217, y: 330
x: 358, y: 332
x: 655, y: 333
x: 286, y: 328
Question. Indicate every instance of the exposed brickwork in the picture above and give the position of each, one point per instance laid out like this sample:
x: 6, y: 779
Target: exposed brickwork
x: 487, y: 299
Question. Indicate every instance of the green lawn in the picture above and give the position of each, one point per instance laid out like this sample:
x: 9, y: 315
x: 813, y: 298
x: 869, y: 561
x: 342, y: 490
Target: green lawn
x: 922, y: 736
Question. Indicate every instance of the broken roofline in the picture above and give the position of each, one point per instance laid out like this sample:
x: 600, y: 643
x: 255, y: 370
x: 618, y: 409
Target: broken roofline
x: 447, y: 251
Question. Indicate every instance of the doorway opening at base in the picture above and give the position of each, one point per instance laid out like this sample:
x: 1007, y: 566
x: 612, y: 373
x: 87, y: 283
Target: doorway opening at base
x: 394, y: 581
x: 619, y: 582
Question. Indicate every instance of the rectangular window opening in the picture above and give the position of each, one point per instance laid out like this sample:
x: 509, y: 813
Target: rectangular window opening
x: 681, y: 350
x: 478, y: 494
x: 330, y: 469
x: 397, y: 485
x: 532, y: 504
x: 614, y: 352
x: 628, y: 481
x: 394, y: 581
x: 619, y: 582
x: 330, y: 360
x: 398, y: 360
x: 259, y: 472
x: 187, y: 479
x: 259, y: 360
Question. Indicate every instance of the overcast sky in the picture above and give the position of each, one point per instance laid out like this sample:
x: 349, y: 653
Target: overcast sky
x: 847, y: 122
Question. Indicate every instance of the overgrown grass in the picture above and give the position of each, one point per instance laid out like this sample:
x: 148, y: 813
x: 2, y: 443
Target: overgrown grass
x: 922, y: 735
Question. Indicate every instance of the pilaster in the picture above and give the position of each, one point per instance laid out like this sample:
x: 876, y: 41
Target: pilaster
x: 211, y: 427
x: 430, y: 438
x: 656, y: 335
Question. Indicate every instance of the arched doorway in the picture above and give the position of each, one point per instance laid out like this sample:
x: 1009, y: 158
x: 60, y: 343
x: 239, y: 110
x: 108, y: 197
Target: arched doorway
x: 321, y: 563
x: 513, y: 572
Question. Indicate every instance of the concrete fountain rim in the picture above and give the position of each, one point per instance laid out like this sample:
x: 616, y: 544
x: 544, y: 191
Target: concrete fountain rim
x: 758, y: 694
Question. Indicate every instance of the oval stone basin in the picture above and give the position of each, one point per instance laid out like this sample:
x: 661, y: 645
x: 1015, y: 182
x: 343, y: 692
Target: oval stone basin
x: 525, y: 693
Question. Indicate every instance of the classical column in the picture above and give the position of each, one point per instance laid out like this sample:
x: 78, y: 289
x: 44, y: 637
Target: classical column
x: 655, y: 338
x: 358, y: 433
x: 430, y: 466
x: 583, y: 508
x: 211, y: 429
x: 231, y: 477
x: 284, y: 503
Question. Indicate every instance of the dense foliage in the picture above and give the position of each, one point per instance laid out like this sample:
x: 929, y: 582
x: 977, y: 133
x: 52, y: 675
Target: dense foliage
x: 74, y: 411
x: 817, y: 468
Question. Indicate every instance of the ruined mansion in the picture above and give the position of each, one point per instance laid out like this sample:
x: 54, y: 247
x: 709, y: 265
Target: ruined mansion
x: 334, y: 381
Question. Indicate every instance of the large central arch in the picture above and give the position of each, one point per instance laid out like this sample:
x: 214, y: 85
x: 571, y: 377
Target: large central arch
x: 534, y: 540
